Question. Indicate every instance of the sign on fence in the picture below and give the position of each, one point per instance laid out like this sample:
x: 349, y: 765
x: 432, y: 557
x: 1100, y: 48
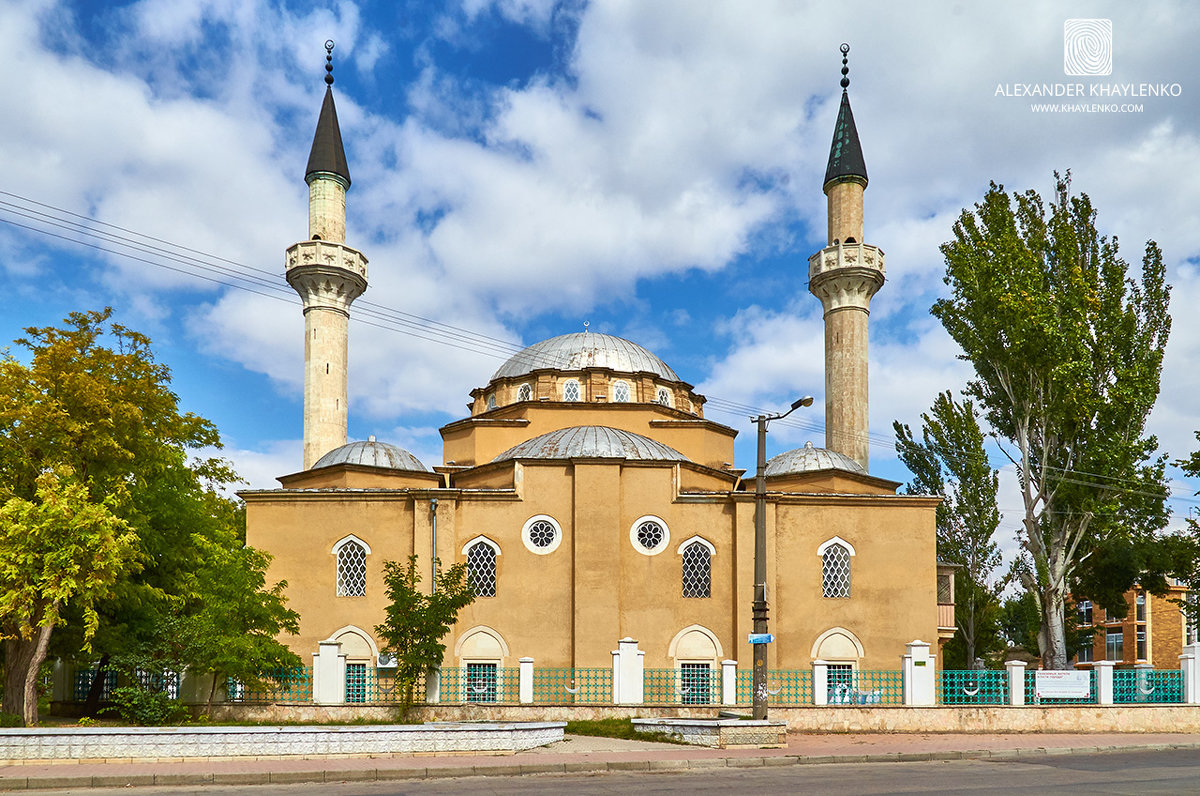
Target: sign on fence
x: 1062, y: 685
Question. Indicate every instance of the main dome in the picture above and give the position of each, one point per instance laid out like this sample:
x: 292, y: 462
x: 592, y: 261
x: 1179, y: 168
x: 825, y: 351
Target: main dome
x: 600, y: 442
x: 581, y: 350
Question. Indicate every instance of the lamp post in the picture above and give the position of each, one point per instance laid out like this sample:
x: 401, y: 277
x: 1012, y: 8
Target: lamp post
x: 759, y: 684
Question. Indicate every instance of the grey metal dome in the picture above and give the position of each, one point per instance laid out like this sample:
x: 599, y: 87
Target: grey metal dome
x: 598, y: 441
x: 585, y: 350
x: 372, y: 454
x: 809, y: 460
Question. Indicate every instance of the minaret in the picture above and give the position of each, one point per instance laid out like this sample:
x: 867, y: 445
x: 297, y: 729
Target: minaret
x: 328, y: 275
x: 844, y: 276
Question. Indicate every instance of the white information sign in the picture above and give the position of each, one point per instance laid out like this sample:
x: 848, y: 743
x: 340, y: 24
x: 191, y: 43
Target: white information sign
x: 1062, y: 685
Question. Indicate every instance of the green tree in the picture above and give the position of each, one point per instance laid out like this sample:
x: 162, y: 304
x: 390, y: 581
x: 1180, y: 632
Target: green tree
x: 950, y: 461
x: 59, y: 547
x: 416, y: 622
x: 1067, y: 350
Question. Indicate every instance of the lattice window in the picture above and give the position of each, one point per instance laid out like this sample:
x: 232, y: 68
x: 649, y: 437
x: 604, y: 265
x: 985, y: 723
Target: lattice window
x: 524, y: 393
x: 695, y: 683
x: 621, y: 393
x: 835, y: 572
x: 664, y: 396
x: 571, y: 390
x: 491, y: 401
x: 542, y: 534
x: 481, y: 569
x: 481, y: 682
x: 650, y: 535
x: 351, y: 570
x: 356, y: 682
x: 697, y: 571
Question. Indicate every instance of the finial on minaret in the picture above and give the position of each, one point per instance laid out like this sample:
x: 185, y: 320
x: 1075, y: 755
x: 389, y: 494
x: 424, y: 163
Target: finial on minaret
x: 845, y: 48
x: 329, y: 62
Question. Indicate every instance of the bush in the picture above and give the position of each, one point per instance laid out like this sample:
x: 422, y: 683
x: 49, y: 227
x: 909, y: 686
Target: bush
x: 11, y: 720
x: 148, y: 708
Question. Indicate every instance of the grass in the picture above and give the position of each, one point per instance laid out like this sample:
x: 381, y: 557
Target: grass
x: 616, y: 728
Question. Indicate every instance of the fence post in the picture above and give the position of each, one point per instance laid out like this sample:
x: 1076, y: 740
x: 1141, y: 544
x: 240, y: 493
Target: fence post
x: 820, y: 683
x: 628, y: 673
x: 329, y: 673
x: 64, y: 682
x: 1189, y: 664
x: 433, y: 685
x: 919, y: 675
x: 525, y: 686
x: 1016, y: 682
x: 728, y: 682
x: 1103, y: 672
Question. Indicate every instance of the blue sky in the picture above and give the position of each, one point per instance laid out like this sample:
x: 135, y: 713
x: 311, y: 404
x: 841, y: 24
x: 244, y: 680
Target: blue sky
x: 522, y: 167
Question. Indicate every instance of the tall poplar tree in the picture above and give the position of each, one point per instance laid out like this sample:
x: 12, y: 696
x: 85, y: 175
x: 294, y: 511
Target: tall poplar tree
x: 950, y: 461
x: 1067, y: 349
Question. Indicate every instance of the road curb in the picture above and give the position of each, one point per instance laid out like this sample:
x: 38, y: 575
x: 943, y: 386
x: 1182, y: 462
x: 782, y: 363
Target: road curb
x: 566, y: 767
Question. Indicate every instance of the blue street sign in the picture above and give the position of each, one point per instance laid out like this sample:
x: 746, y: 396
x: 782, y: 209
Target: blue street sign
x: 761, y: 638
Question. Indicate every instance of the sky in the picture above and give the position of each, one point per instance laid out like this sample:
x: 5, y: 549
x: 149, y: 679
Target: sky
x: 523, y: 167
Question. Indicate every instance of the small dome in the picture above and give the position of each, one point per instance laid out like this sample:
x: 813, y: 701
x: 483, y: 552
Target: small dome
x: 809, y: 460
x: 372, y: 454
x: 599, y: 441
x: 585, y: 350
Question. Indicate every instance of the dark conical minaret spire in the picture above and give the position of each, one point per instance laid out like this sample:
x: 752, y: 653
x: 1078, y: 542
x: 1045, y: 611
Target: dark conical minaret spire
x: 844, y: 276
x: 327, y: 155
x: 845, y: 154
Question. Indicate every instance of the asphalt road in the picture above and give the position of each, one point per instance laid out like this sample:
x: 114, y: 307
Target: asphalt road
x: 1136, y: 773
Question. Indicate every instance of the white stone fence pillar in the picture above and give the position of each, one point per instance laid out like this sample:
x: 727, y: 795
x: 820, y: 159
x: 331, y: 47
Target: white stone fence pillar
x: 628, y: 673
x: 433, y: 685
x: 1103, y: 672
x: 1016, y: 682
x: 329, y: 673
x: 820, y: 682
x: 728, y: 682
x: 1189, y: 664
x: 920, y: 675
x: 525, y: 681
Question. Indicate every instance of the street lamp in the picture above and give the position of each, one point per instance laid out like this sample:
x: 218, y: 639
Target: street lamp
x: 760, y: 559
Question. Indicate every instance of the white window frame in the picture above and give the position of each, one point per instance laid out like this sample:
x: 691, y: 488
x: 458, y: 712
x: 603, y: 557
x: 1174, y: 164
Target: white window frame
x: 578, y: 387
x: 336, y: 552
x: 528, y: 542
x: 662, y: 396
x: 633, y: 535
x: 481, y: 539
x: 617, y: 385
x: 525, y: 393
x: 712, y: 551
x: 822, y: 549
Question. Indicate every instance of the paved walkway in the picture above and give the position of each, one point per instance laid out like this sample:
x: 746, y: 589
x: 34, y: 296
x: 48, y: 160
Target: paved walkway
x: 577, y: 754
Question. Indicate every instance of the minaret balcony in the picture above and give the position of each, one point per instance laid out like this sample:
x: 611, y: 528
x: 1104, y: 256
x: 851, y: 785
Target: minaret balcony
x: 326, y: 274
x: 846, y: 275
x: 327, y: 253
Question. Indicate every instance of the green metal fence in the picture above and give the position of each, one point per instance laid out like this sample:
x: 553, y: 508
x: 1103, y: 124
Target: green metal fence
x: 278, y: 685
x: 573, y: 686
x: 1147, y: 686
x: 696, y: 684
x: 480, y: 682
x: 972, y: 687
x: 859, y: 687
x: 1030, y: 693
x: 784, y: 686
x: 83, y: 684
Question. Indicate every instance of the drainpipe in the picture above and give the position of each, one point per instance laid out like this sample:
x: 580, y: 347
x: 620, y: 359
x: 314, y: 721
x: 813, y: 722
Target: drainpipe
x: 433, y: 545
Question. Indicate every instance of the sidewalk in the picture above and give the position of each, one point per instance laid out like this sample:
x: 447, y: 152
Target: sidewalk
x: 578, y: 754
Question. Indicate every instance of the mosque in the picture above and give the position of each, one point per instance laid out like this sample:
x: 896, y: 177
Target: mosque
x: 591, y: 499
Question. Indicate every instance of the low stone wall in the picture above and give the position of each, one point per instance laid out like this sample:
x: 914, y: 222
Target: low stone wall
x: 720, y: 733
x: 95, y: 743
x: 833, y: 718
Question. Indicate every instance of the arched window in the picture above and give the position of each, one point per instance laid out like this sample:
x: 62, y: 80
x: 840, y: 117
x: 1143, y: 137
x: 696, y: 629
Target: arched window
x: 835, y: 571
x: 525, y: 393
x: 481, y: 567
x: 697, y: 570
x: 491, y: 401
x: 351, y: 568
x: 621, y: 393
x: 570, y: 390
x: 663, y: 397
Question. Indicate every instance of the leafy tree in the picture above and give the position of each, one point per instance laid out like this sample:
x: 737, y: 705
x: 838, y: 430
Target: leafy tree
x: 950, y: 461
x: 416, y: 622
x: 56, y: 548
x: 1067, y: 351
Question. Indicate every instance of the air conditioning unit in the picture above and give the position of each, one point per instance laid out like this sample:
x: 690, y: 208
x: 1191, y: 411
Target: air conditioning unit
x: 386, y: 661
